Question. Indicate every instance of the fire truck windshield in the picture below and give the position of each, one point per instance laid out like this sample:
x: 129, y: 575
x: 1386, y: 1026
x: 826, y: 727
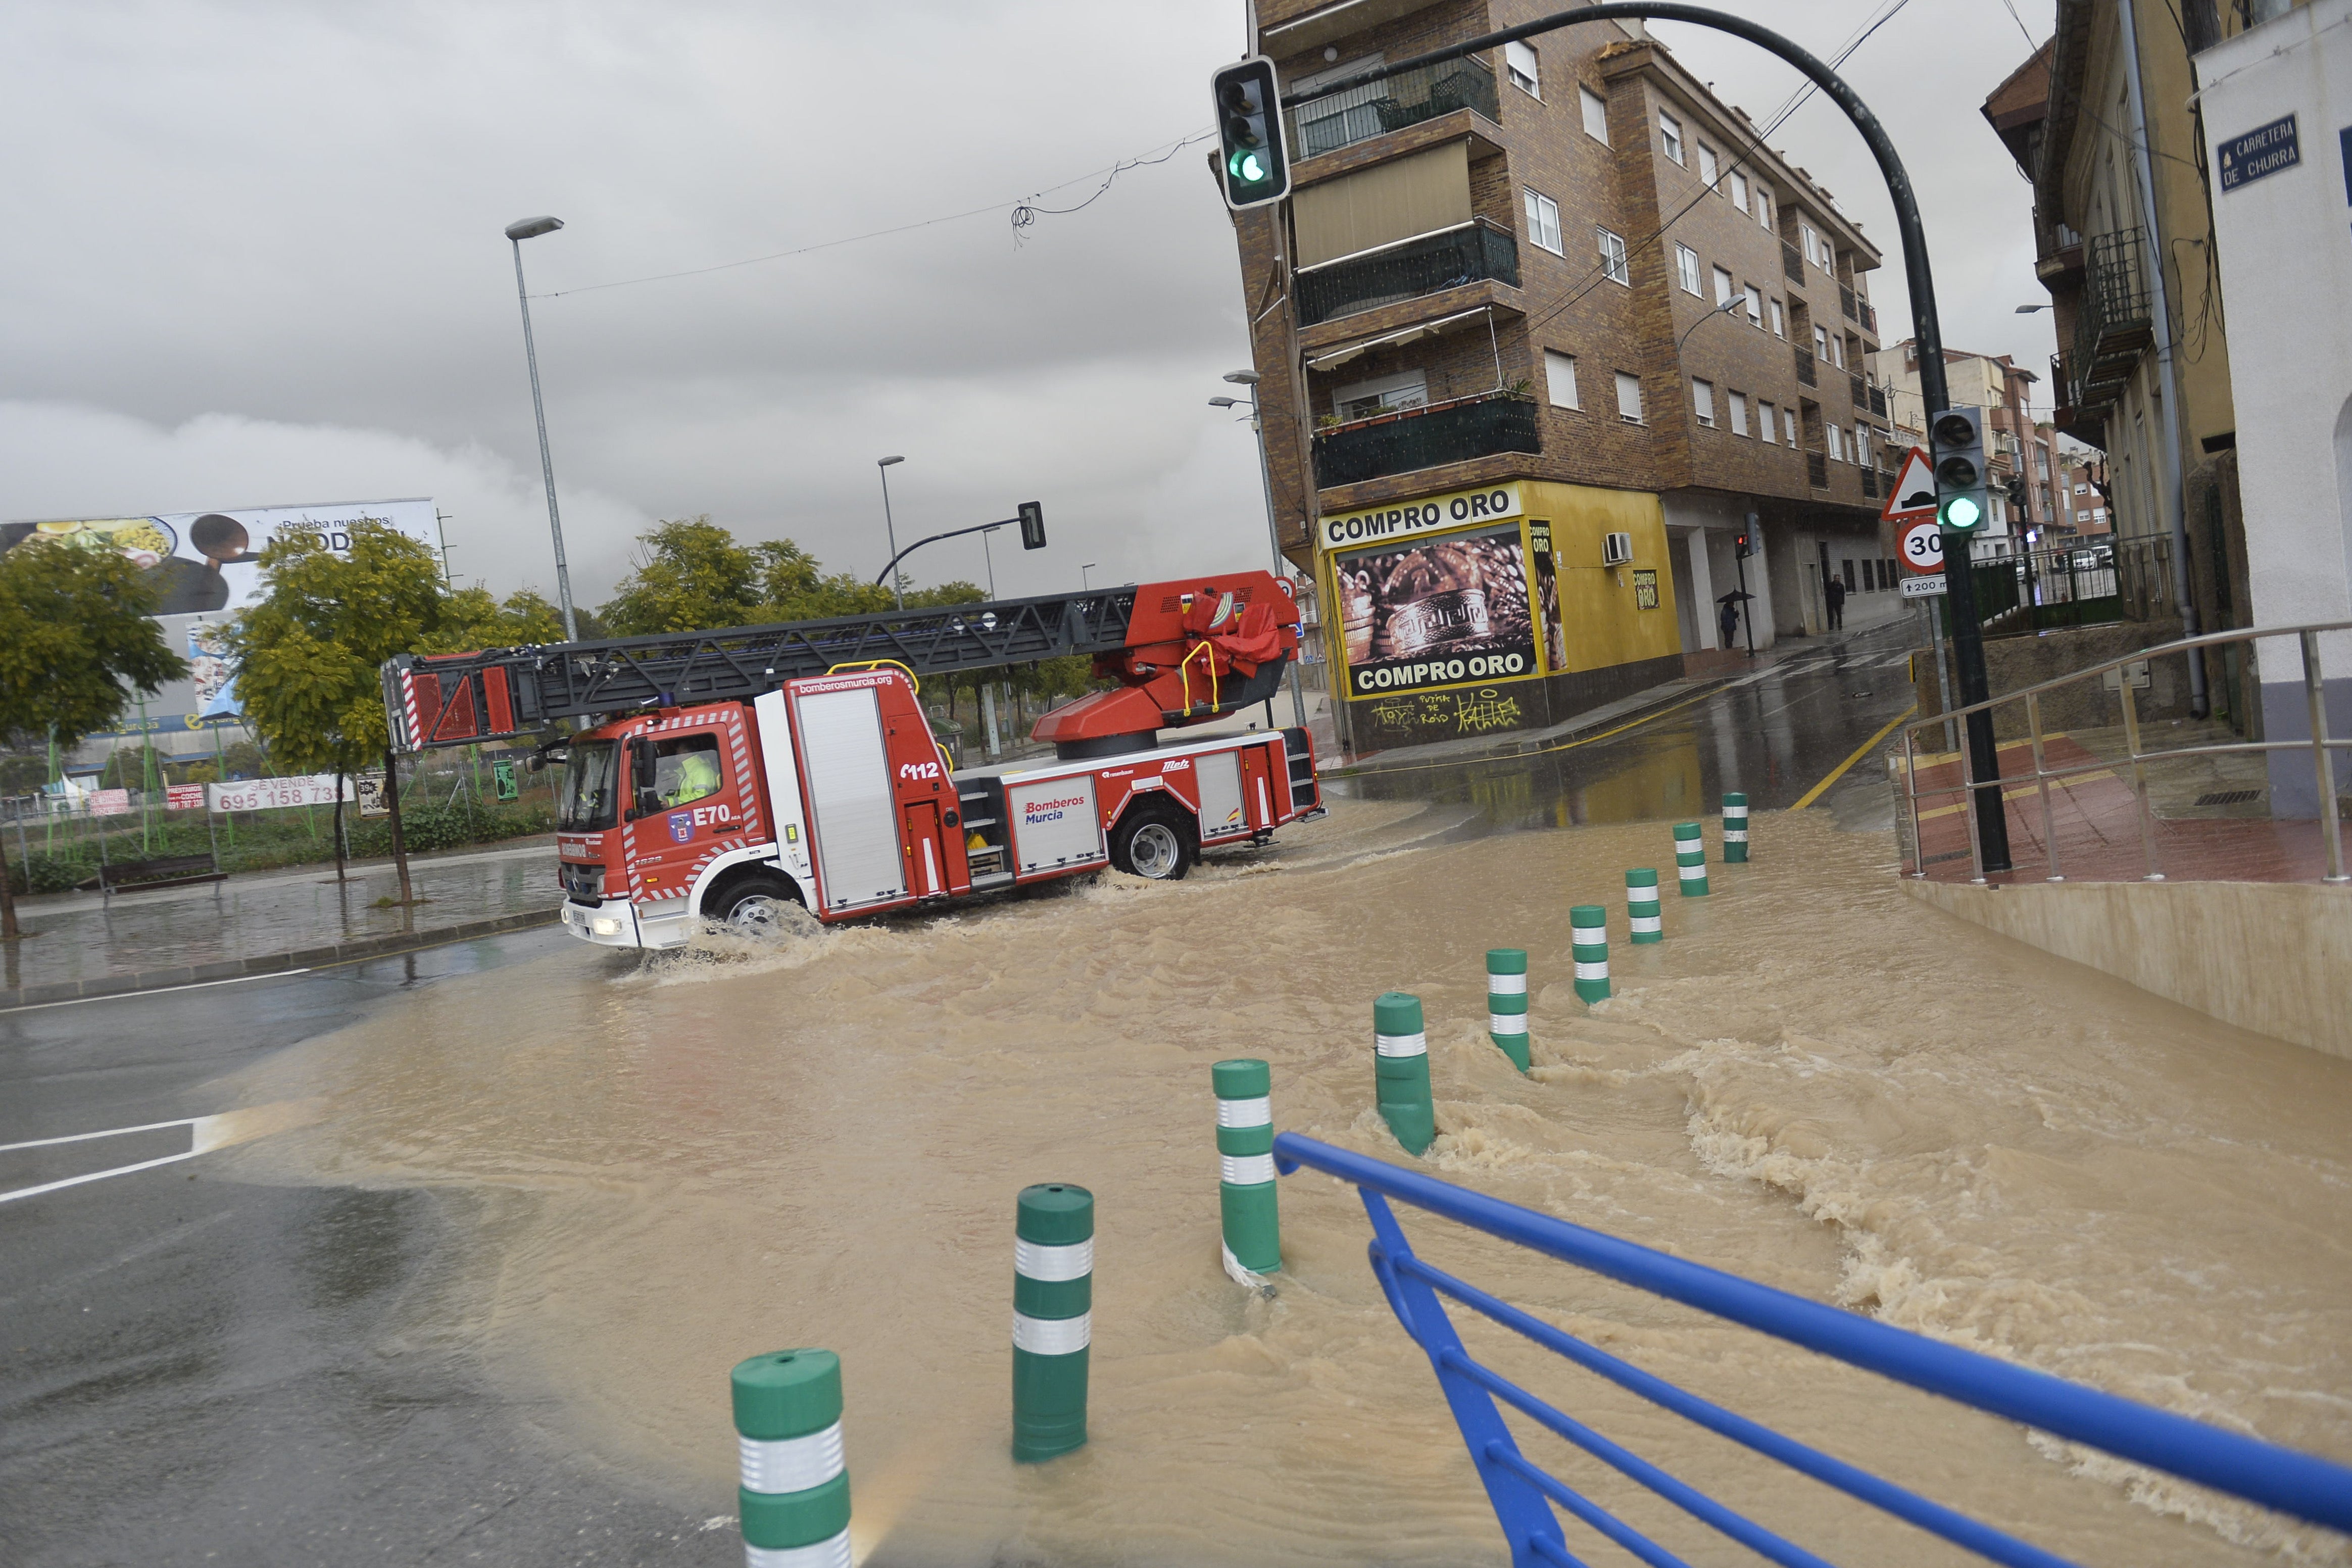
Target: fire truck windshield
x: 590, y: 800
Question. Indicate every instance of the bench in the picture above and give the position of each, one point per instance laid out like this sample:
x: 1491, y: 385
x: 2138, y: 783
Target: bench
x: 164, y: 871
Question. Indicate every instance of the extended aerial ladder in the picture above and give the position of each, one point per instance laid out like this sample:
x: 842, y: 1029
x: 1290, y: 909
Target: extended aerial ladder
x: 1182, y: 652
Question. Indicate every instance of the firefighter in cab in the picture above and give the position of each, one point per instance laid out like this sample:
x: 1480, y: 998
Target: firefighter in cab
x: 685, y: 771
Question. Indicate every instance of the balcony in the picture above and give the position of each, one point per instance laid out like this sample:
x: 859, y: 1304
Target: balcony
x: 1816, y: 470
x: 1869, y: 316
x: 1861, y: 390
x: 1792, y: 265
x: 1477, y: 252
x: 1413, y: 439
x: 1805, y: 368
x: 1845, y: 303
x: 1339, y: 120
x: 1869, y: 484
x: 2114, y: 324
x: 1878, y: 401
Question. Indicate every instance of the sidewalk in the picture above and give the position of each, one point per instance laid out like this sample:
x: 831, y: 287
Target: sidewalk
x: 275, y: 920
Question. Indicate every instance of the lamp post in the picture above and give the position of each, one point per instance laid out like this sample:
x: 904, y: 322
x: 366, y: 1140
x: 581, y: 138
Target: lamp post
x: 882, y: 466
x: 1249, y: 378
x: 1085, y: 586
x: 1734, y: 303
x: 517, y: 232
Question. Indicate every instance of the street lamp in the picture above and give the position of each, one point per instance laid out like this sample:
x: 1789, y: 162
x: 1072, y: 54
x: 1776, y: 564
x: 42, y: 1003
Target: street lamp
x: 517, y: 232
x: 1085, y: 586
x: 1249, y: 378
x: 2029, y: 309
x: 882, y: 466
x: 1736, y: 303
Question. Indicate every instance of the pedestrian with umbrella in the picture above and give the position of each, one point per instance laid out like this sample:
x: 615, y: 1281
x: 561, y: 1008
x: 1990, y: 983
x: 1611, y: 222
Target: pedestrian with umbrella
x: 1727, y: 614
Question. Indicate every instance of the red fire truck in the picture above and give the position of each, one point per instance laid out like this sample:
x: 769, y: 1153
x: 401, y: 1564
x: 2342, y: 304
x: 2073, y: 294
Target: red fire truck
x: 725, y: 774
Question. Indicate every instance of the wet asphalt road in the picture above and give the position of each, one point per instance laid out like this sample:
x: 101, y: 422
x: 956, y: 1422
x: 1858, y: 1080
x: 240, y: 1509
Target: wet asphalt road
x: 1773, y: 734
x: 196, y: 1371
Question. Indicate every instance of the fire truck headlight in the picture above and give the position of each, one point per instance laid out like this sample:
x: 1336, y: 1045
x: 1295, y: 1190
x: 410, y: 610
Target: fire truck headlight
x: 606, y: 926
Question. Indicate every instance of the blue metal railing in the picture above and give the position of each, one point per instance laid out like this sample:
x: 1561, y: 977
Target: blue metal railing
x: 2294, y: 1483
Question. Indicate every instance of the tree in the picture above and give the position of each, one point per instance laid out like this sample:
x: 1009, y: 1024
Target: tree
x: 471, y: 620
x: 690, y: 576
x: 307, y: 654
x: 79, y: 637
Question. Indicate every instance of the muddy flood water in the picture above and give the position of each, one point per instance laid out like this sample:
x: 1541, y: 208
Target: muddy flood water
x: 1815, y: 1081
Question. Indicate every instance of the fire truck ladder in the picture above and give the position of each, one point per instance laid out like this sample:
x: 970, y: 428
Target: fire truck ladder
x: 458, y: 698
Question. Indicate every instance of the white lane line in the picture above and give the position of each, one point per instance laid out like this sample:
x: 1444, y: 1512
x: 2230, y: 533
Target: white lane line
x: 97, y: 1176
x: 109, y: 1133
x: 165, y: 990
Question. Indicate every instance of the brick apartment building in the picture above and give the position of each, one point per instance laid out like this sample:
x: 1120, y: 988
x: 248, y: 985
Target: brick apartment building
x: 2017, y: 446
x: 1547, y: 329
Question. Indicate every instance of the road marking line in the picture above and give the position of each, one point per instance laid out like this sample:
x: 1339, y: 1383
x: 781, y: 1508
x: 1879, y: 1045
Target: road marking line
x: 1860, y: 752
x: 97, y: 1175
x: 109, y: 1133
x: 167, y: 990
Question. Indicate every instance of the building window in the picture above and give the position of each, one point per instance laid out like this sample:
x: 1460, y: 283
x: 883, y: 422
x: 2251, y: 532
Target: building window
x: 1612, y: 256
x: 1686, y: 267
x: 1543, y: 223
x: 1822, y: 343
x: 1837, y: 352
x: 1559, y: 378
x: 1707, y: 170
x: 1703, y: 401
x: 1723, y: 288
x: 1739, y: 190
x: 1836, y: 452
x: 1739, y: 413
x: 1764, y: 418
x: 1763, y: 207
x: 1789, y: 423
x: 1755, y: 310
x: 1780, y: 326
x: 1670, y: 131
x: 1811, y: 243
x: 1363, y: 399
x: 1519, y: 60
x: 1596, y: 114
x: 1628, y: 397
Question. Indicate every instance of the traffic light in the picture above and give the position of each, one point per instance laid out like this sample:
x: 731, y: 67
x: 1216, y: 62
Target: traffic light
x: 1249, y: 133
x: 1032, y: 525
x: 1961, y: 498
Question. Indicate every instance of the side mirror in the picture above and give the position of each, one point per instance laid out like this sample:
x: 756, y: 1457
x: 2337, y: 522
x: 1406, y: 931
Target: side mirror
x: 645, y: 802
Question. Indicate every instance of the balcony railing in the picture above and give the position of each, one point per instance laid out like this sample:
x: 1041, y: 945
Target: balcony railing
x: 1845, y: 303
x: 1791, y: 263
x: 2112, y: 320
x: 1869, y: 483
x: 1869, y: 316
x: 1861, y: 390
x: 1816, y: 470
x: 1878, y: 401
x: 1805, y: 368
x: 1340, y: 119
x: 1414, y: 438
x: 1476, y: 252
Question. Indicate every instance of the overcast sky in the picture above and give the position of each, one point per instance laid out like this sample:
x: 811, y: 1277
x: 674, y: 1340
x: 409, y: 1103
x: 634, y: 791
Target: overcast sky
x: 255, y: 258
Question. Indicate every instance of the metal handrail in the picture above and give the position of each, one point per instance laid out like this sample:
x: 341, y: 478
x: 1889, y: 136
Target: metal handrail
x: 2292, y: 1482
x: 2319, y: 744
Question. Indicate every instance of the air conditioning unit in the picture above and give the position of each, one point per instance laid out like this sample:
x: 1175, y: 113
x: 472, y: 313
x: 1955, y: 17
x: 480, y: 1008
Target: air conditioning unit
x: 1616, y: 549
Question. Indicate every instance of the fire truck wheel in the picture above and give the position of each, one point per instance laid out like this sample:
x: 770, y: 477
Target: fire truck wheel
x: 1154, y: 841
x: 756, y: 904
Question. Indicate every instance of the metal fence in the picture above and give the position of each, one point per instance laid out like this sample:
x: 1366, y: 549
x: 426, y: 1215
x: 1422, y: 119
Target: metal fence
x: 2087, y: 582
x: 1474, y: 252
x: 1523, y: 1493
x: 2137, y: 757
x: 1418, y: 439
x: 1340, y: 119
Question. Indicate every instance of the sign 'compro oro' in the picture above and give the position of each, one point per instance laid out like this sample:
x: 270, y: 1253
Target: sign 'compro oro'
x: 1425, y: 514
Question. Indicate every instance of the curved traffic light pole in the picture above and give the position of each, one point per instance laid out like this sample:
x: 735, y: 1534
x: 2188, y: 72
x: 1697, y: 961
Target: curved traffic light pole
x: 1968, y: 634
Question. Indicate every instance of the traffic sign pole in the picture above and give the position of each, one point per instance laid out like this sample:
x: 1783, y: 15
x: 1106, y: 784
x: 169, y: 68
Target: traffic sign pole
x: 1927, y: 328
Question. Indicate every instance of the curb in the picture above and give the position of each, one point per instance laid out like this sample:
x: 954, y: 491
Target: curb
x: 269, y: 964
x: 1506, y: 750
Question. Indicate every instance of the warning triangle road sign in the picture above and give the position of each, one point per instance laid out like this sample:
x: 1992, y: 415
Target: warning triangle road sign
x: 1913, y: 493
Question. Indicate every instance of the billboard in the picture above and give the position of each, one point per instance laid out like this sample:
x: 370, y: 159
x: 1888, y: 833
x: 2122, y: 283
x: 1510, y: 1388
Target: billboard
x: 1436, y: 613
x: 205, y: 567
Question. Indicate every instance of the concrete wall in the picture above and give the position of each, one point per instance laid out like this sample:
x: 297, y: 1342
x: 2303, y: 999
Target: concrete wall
x: 2290, y: 352
x: 2012, y: 663
x: 2272, y: 957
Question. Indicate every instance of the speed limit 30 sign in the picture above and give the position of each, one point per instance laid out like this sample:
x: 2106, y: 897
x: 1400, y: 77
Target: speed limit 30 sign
x: 1923, y: 546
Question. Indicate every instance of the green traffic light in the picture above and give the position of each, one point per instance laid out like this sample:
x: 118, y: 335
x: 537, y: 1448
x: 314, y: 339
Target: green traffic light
x: 1246, y: 167
x: 1962, y: 513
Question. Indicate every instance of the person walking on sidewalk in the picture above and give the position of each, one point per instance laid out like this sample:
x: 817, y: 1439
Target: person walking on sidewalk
x: 1835, y: 595
x: 1727, y: 620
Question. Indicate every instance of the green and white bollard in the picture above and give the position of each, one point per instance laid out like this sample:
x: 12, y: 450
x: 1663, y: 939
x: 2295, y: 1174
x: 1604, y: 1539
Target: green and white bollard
x: 1588, y: 930
x: 1507, y: 1003
x: 1690, y: 859
x: 1400, y: 1069
x: 1246, y: 1190
x: 1735, y: 829
x: 1052, y: 1318
x: 1641, y: 910
x: 794, y: 1500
